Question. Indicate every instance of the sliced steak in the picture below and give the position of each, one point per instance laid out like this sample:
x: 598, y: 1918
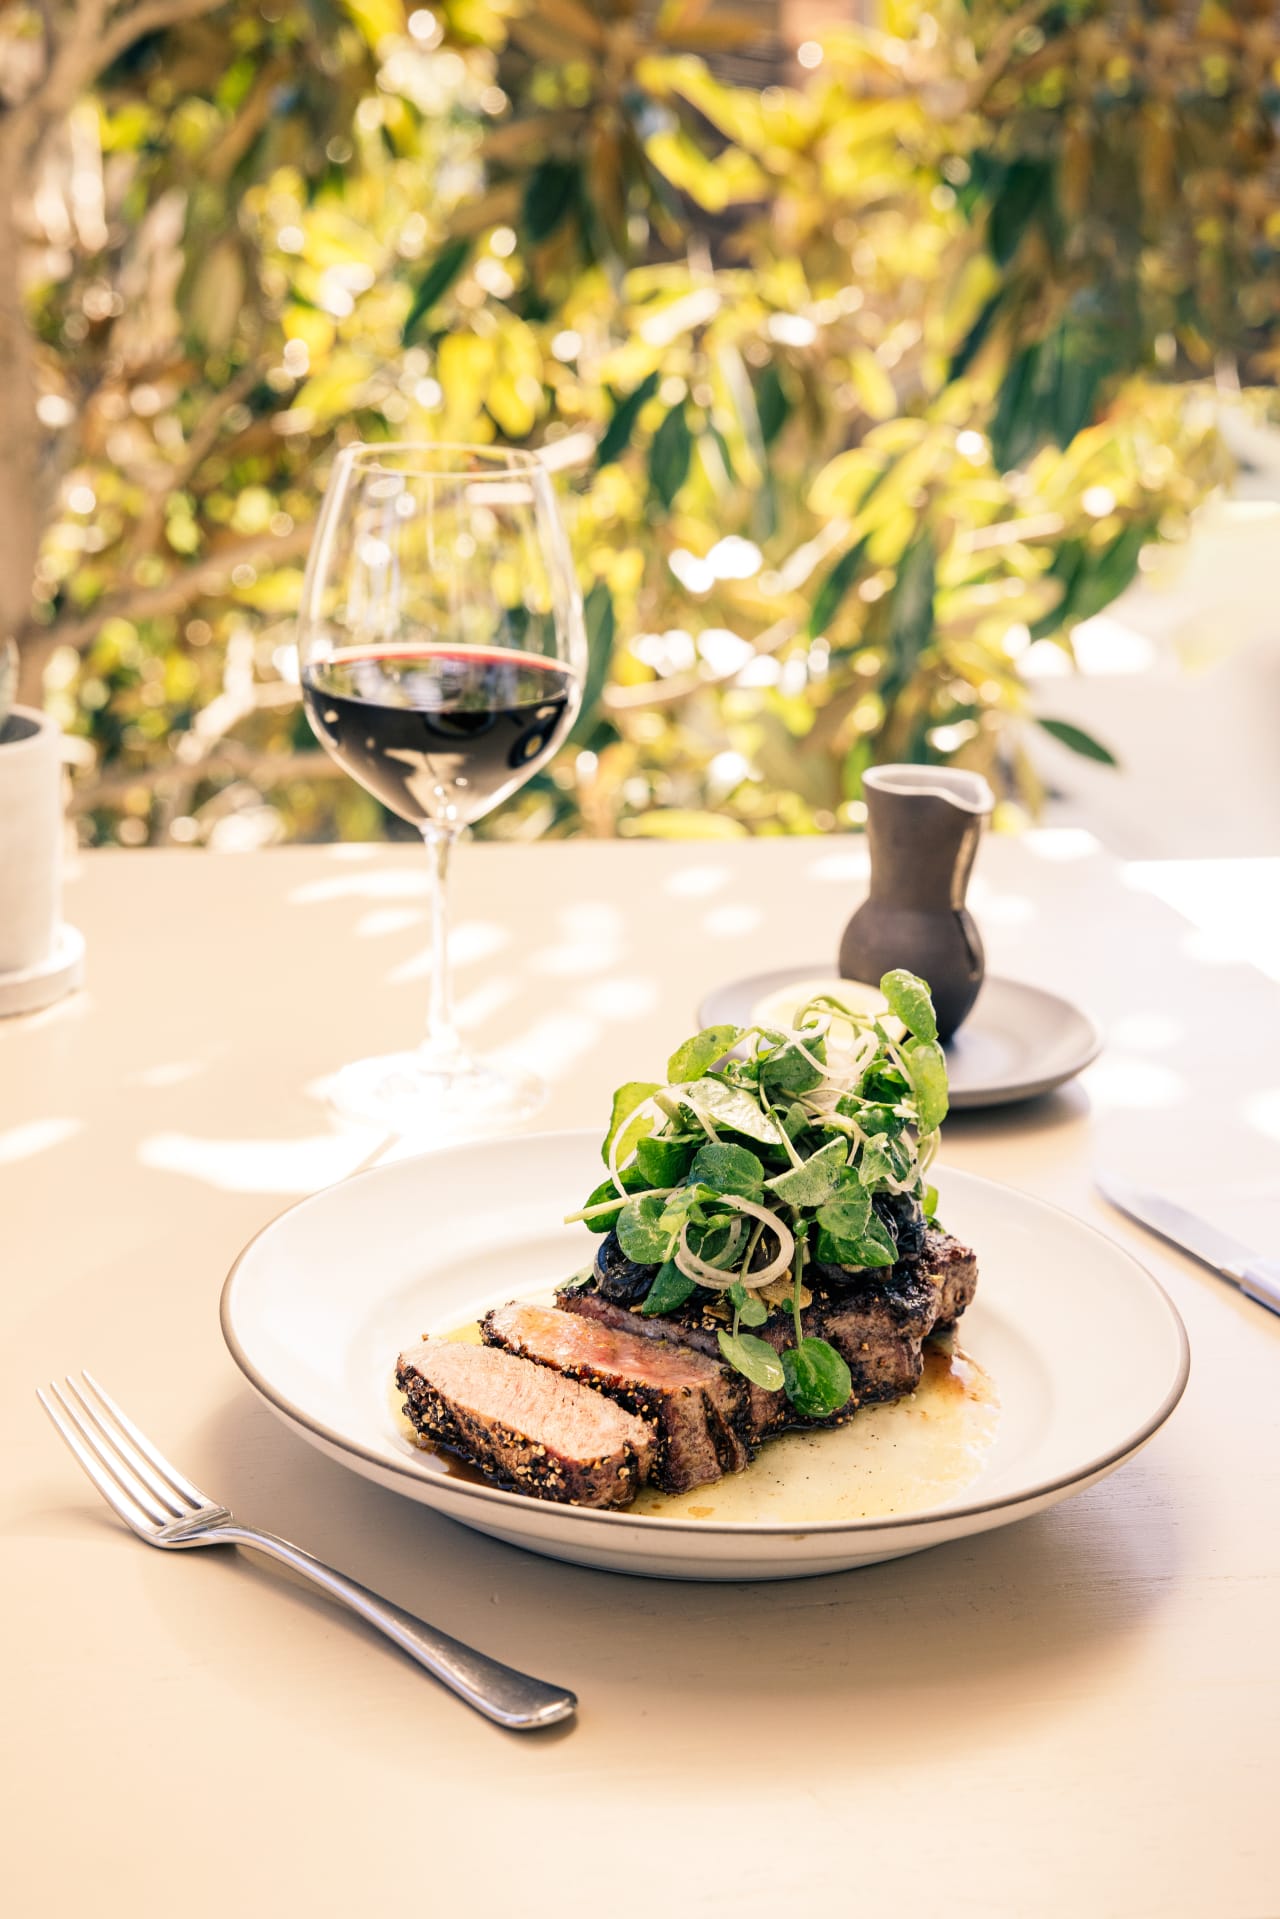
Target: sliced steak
x: 695, y: 1405
x: 524, y: 1425
x: 877, y: 1320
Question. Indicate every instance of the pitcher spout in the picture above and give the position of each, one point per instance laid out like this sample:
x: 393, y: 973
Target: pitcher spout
x: 967, y: 791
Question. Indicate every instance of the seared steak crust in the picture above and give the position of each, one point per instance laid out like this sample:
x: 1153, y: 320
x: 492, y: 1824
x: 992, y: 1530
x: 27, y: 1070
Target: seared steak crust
x: 695, y: 1406
x: 524, y: 1426
x: 956, y: 1271
x: 877, y: 1320
x: 584, y: 1402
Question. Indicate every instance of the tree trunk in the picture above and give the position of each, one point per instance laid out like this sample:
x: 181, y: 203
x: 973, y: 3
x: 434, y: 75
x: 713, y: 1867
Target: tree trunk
x: 20, y: 436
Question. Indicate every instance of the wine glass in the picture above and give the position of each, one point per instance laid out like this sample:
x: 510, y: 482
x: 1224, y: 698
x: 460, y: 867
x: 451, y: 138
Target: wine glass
x: 442, y: 652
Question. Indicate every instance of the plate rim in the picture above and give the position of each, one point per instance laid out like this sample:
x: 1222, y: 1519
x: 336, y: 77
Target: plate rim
x: 655, y: 1523
x: 1000, y: 1092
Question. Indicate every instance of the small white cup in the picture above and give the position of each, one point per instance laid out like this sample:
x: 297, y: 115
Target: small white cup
x: 30, y: 840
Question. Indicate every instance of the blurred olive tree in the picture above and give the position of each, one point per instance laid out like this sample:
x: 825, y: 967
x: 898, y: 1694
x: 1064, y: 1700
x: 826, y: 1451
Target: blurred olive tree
x: 857, y: 387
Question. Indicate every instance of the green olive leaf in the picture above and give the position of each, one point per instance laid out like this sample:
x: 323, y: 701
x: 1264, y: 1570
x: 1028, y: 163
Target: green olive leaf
x: 818, y: 1382
x: 754, y: 1358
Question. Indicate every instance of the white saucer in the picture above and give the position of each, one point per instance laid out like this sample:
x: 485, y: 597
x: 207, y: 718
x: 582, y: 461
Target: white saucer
x: 318, y: 1306
x: 1017, y: 1042
x: 37, y: 986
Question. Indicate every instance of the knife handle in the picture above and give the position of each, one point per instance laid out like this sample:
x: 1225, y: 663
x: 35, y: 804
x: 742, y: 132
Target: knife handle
x: 1261, y: 1280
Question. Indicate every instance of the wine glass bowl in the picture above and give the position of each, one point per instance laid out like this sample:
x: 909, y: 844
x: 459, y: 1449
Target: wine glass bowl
x: 441, y: 654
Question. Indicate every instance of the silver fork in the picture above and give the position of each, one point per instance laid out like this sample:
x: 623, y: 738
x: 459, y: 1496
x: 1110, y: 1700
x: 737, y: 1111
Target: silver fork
x: 162, y: 1506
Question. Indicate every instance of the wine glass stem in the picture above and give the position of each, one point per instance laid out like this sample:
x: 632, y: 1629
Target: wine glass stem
x: 442, y: 1045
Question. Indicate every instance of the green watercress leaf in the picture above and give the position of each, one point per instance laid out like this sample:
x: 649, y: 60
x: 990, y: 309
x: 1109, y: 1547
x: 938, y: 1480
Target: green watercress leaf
x: 696, y: 1204
x: 642, y: 1232
x: 625, y: 1101
x: 910, y: 1001
x: 670, y: 1289
x: 664, y: 1162
x: 850, y: 1236
x: 928, y: 1071
x: 884, y: 1161
x: 728, y: 1169
x: 606, y: 1190
x: 818, y: 1382
x: 846, y: 1214
x: 883, y: 1083
x: 751, y: 1310
x: 786, y: 1072
x: 731, y: 1107
x: 929, y: 1203
x: 698, y: 1054
x: 754, y: 1358
x: 816, y: 1180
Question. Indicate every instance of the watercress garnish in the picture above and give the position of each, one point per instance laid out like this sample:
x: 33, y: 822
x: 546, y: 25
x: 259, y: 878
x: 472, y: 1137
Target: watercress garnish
x: 728, y: 1169
x: 764, y: 1149
x: 754, y: 1358
x: 909, y: 1001
x: 625, y: 1102
x: 670, y: 1289
x: 817, y: 1380
x: 748, y: 1310
x: 643, y: 1233
x: 699, y: 1054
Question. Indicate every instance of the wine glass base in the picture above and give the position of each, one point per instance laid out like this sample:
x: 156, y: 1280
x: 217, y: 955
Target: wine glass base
x: 405, y: 1093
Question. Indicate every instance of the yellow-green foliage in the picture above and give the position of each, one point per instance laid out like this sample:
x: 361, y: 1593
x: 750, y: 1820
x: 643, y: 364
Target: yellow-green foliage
x: 856, y: 387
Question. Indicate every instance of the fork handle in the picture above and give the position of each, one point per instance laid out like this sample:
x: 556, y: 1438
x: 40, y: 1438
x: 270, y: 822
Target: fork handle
x: 513, y: 1699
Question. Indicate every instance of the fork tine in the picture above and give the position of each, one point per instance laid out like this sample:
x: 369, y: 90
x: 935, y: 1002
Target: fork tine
x: 118, y: 1467
x: 178, y: 1481
x: 119, y: 1501
x: 150, y: 1478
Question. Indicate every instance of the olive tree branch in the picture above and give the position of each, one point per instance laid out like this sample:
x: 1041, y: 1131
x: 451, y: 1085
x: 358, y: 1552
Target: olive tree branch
x: 172, y: 480
x: 1000, y: 47
x: 189, y: 583
x: 93, y: 38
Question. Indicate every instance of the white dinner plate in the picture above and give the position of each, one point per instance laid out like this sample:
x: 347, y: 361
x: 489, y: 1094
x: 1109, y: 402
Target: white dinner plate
x: 1017, y: 1042
x: 1087, y: 1354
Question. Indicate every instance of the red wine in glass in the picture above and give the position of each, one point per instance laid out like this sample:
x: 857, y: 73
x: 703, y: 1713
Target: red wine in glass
x: 439, y: 733
x: 442, y: 652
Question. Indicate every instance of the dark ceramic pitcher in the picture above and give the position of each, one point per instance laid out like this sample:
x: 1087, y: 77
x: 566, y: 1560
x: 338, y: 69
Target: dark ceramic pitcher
x: 923, y: 825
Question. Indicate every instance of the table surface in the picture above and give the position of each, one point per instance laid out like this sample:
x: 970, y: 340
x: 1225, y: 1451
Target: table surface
x: 1074, y: 1715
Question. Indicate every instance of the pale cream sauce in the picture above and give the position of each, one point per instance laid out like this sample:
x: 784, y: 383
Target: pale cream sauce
x: 901, y: 1458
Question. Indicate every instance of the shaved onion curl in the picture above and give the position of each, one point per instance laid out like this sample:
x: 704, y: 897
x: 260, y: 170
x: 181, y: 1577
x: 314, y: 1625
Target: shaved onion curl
x: 714, y: 1276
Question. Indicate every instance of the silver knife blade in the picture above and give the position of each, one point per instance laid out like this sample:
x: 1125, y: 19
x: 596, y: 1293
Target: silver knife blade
x: 1187, y: 1230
